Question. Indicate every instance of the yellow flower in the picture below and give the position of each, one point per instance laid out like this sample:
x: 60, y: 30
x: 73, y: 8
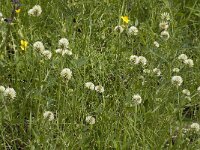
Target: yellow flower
x: 24, y: 44
x: 125, y: 19
x: 18, y: 11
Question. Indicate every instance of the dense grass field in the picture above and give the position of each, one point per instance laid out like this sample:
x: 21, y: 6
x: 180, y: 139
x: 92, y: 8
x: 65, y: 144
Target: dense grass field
x: 100, y: 74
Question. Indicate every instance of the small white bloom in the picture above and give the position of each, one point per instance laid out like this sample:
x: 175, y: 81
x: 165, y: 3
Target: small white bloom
x: 2, y: 89
x: 164, y: 25
x: 177, y: 80
x: 10, y: 93
x: 176, y: 70
x: 142, y: 60
x: 195, y: 127
x: 119, y: 29
x: 134, y: 59
x: 63, y: 43
x: 38, y: 46
x: 133, y: 30
x: 164, y: 35
x: 99, y: 89
x: 48, y: 115
x: 157, y: 71
x: 137, y: 99
x: 182, y: 57
x: 35, y: 11
x: 165, y: 16
x: 47, y: 54
x: 186, y: 92
x: 67, y: 52
x: 189, y: 62
x: 156, y: 44
x: 198, y: 89
x: 90, y: 85
x: 90, y: 120
x: 66, y: 73
x: 1, y: 15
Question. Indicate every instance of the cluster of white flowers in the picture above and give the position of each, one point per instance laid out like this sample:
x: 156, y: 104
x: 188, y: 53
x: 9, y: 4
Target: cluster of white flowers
x: 195, y: 127
x: 91, y: 86
x: 177, y: 80
x: 66, y: 74
x: 138, y: 60
x: 39, y: 47
x: 35, y: 11
x: 48, y: 115
x: 164, y: 25
x: 90, y: 120
x: 132, y: 30
x: 136, y: 99
x: 8, y: 92
x: 63, y: 47
x: 184, y: 59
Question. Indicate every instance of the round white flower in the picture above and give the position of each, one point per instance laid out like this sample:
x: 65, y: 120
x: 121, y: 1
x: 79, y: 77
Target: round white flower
x: 164, y: 25
x: 157, y: 71
x: 186, y: 92
x: 90, y: 85
x: 134, y: 59
x: 156, y: 44
x: 137, y: 99
x: 47, y: 54
x: 164, y: 35
x: 182, y: 57
x: 195, y: 127
x: 10, y: 93
x: 177, y: 80
x: 48, y: 115
x: 176, y: 70
x: 63, y: 43
x: 38, y: 46
x: 189, y: 62
x: 90, y: 120
x: 133, y: 30
x: 99, y: 89
x: 119, y: 29
x: 142, y: 60
x: 35, y: 11
x: 66, y: 73
x: 2, y: 89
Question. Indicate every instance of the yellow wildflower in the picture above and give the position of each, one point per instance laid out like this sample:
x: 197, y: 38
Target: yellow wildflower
x: 24, y: 44
x: 125, y: 19
x: 18, y: 11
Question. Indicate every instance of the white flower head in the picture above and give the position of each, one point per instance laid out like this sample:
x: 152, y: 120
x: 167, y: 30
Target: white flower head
x: 63, y: 43
x: 157, y: 71
x: 99, y: 89
x: 10, y: 93
x: 189, y: 62
x: 38, y: 46
x: 137, y: 99
x: 165, y: 16
x: 177, y: 80
x: 47, y: 54
x: 90, y: 120
x: 195, y: 127
x: 186, y: 92
x: 164, y: 35
x: 142, y: 60
x: 119, y: 29
x: 134, y: 59
x: 198, y: 89
x: 1, y: 15
x: 35, y: 11
x: 176, y: 70
x: 66, y: 73
x: 90, y: 85
x: 133, y: 30
x: 164, y: 25
x: 48, y: 115
x: 182, y: 57
x: 156, y: 44
x: 2, y: 89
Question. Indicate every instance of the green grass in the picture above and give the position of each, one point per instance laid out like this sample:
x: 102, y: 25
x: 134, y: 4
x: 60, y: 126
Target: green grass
x: 100, y: 55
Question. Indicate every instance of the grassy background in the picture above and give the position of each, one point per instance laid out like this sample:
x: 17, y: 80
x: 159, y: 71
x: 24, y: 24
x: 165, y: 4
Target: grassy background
x: 101, y: 56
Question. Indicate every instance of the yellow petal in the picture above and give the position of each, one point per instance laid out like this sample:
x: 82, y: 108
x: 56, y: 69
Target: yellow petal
x: 17, y: 11
x: 125, y: 19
